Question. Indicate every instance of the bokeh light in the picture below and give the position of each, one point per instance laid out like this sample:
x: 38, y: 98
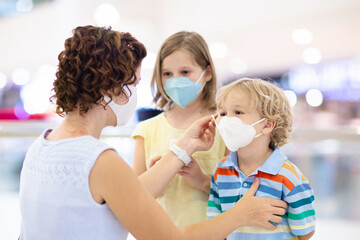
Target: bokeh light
x: 314, y: 97
x: 291, y: 96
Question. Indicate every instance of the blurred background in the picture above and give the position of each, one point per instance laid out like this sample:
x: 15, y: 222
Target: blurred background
x: 310, y: 48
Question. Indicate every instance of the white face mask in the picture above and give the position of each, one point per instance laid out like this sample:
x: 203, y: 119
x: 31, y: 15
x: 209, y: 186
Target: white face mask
x: 235, y: 133
x: 124, y: 112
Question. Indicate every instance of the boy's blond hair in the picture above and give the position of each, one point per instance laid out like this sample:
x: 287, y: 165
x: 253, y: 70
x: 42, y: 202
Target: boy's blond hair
x: 268, y: 100
x: 196, y: 45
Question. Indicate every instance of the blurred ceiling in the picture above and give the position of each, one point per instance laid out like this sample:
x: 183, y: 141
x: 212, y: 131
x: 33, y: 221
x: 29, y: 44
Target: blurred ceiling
x: 257, y: 33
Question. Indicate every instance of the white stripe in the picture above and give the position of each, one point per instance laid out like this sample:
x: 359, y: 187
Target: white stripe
x: 260, y: 230
x: 303, y: 226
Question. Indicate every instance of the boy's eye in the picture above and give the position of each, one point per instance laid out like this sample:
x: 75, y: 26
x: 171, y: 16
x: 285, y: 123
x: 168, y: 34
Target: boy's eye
x: 222, y: 114
x: 238, y: 112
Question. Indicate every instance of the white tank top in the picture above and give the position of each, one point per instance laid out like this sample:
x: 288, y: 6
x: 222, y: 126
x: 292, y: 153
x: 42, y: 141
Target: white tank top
x: 55, y: 199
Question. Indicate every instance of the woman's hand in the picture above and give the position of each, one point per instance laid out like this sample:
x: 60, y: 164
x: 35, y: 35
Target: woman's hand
x: 259, y: 211
x: 195, y: 177
x: 199, y: 136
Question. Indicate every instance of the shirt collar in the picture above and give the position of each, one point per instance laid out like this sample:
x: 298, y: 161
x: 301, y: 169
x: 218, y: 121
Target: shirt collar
x: 231, y: 160
x: 272, y: 165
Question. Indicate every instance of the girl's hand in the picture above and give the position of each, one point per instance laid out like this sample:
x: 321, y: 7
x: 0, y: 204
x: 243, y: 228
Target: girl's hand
x: 195, y: 177
x: 154, y: 160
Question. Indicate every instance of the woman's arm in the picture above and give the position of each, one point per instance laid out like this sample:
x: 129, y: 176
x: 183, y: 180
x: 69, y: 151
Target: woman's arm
x: 138, y: 161
x: 112, y: 181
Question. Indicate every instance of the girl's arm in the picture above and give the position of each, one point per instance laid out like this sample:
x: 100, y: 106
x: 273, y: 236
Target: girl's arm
x: 138, y: 161
x: 112, y: 181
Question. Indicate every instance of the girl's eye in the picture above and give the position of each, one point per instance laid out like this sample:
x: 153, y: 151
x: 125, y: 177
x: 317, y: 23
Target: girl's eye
x: 167, y: 74
x: 185, y: 72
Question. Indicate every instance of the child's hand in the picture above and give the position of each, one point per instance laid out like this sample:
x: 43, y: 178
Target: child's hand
x: 195, y: 177
x: 154, y: 160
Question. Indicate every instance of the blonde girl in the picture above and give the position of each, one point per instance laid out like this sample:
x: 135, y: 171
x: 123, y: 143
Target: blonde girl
x: 184, y: 86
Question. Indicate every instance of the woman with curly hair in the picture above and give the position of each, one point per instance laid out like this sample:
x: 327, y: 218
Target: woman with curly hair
x: 74, y: 186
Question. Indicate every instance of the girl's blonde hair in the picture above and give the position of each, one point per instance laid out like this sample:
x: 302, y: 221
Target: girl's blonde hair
x: 196, y: 45
x: 268, y: 100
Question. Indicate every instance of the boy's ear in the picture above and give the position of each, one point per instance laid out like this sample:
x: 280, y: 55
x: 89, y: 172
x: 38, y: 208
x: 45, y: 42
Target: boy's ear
x: 208, y: 73
x: 269, y: 126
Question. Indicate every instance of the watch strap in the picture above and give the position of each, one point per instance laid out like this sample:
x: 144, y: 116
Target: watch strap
x: 181, y: 154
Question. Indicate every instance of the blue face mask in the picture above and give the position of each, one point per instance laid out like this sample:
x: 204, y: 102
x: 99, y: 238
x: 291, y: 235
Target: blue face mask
x: 183, y: 90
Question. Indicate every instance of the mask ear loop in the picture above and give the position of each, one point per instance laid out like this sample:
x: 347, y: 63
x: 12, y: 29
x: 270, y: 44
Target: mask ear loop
x: 212, y: 115
x: 200, y: 79
x: 257, y: 123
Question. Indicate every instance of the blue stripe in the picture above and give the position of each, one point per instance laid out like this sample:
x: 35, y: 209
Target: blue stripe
x: 229, y: 189
x: 301, y: 202
x: 299, y: 188
x: 267, y: 236
x: 270, y: 190
x: 229, y: 185
x: 230, y: 199
x: 214, y: 193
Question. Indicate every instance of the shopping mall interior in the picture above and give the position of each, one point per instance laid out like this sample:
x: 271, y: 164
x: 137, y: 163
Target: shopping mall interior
x: 309, y: 48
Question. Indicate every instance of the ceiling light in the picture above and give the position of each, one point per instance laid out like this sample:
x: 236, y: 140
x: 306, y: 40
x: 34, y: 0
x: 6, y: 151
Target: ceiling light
x: 302, y: 36
x: 312, y: 55
x: 291, y: 96
x: 20, y: 76
x: 314, y: 97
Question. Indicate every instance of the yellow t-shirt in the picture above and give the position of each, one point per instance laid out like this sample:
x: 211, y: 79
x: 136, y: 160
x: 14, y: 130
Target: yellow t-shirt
x: 183, y: 203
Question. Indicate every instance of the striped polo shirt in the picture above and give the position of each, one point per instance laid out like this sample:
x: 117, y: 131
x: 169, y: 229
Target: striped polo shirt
x: 279, y: 179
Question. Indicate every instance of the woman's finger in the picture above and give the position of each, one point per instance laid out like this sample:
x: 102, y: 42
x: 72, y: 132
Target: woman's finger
x: 278, y: 203
x: 278, y: 210
x: 275, y: 219
x: 254, y: 187
x: 268, y: 225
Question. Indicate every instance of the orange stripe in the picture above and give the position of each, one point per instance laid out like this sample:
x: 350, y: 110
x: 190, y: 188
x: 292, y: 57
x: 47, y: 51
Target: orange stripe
x: 225, y: 171
x: 223, y: 159
x: 287, y: 165
x: 303, y: 178
x: 277, y: 178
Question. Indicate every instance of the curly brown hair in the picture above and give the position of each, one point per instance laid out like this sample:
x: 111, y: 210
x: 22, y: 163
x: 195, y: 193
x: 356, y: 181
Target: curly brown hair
x: 96, y: 61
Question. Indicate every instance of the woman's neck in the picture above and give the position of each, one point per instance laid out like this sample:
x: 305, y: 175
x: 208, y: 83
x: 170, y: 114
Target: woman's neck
x: 76, y: 125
